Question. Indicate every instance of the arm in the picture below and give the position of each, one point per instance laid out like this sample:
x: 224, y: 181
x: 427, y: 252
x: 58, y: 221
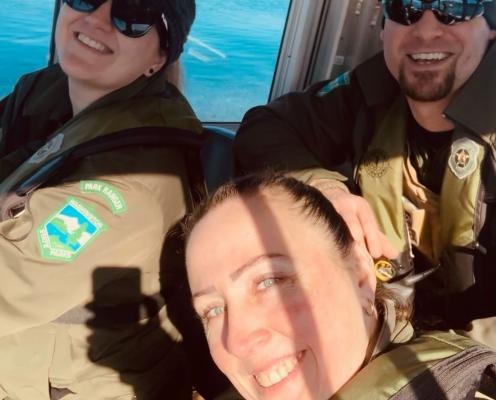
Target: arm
x: 310, y: 134
x: 3, y: 107
x: 298, y: 131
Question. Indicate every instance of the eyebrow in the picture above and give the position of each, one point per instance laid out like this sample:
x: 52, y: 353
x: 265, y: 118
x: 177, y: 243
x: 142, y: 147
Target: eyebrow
x: 240, y: 271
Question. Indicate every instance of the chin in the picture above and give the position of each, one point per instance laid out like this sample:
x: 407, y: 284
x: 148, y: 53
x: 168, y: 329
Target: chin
x: 75, y: 68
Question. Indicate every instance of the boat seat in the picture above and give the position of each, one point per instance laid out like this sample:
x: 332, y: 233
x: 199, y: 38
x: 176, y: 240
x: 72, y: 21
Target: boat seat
x: 217, y: 156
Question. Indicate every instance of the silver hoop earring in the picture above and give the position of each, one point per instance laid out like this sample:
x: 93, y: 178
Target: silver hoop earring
x: 370, y: 310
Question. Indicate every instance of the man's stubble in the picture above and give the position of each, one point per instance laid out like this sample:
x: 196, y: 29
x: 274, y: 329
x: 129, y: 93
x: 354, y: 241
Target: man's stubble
x: 427, y: 86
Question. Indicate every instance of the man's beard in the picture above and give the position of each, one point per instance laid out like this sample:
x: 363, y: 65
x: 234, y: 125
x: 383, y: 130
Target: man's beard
x: 423, y: 87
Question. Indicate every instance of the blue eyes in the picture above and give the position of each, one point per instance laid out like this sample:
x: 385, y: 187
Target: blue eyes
x: 267, y: 283
x: 214, y: 312
x: 260, y: 286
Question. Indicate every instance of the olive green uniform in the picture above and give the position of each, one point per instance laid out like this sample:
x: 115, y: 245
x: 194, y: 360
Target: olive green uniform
x: 431, y: 365
x: 94, y: 236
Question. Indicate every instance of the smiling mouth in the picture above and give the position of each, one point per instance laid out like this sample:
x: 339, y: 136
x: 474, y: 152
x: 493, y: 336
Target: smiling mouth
x: 278, y: 372
x: 428, y: 58
x: 93, y: 43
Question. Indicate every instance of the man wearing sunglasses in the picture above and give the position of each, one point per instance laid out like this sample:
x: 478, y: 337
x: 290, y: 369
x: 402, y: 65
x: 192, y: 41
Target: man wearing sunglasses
x: 406, y: 139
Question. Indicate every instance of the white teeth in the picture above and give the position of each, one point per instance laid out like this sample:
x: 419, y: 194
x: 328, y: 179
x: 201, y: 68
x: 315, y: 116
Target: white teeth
x: 277, y: 372
x: 429, y: 56
x: 91, y: 43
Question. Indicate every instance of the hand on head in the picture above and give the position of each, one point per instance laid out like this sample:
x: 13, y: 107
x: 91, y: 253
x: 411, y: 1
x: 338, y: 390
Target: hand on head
x: 361, y: 221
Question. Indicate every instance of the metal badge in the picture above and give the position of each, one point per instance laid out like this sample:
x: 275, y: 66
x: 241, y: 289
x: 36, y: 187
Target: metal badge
x: 50, y: 147
x: 385, y: 270
x: 463, y: 158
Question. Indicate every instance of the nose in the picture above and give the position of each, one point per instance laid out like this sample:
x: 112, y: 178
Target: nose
x: 100, y: 18
x: 244, y: 333
x: 428, y: 27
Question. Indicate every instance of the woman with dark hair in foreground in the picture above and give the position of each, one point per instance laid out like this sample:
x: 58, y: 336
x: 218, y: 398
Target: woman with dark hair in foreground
x: 292, y: 309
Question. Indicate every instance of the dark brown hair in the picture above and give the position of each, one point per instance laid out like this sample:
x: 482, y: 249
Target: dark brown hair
x: 313, y: 204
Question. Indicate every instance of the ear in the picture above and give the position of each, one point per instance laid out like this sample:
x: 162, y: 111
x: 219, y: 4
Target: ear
x: 492, y: 35
x: 363, y: 268
x: 157, y: 65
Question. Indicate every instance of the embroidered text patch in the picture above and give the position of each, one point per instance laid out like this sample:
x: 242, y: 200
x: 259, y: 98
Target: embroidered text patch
x: 65, y: 234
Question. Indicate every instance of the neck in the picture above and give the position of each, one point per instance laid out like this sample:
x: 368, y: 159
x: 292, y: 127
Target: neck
x: 82, y: 95
x: 375, y: 329
x: 430, y: 115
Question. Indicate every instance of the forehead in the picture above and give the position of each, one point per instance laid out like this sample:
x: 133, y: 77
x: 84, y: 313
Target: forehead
x: 245, y: 227
x: 251, y: 215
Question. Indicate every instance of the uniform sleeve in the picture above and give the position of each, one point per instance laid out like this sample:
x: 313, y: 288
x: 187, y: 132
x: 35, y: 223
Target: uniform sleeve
x: 3, y: 103
x: 308, y: 131
x: 3, y: 110
x: 8, y: 162
x: 10, y: 110
x: 50, y: 253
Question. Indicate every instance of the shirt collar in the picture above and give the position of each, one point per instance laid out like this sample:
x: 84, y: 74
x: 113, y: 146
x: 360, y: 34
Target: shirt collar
x: 391, y: 331
x: 376, y: 82
x: 474, y: 104
x: 53, y: 100
x: 480, y: 117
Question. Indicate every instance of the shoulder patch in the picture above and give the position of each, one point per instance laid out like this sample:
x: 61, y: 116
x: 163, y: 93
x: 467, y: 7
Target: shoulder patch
x: 106, y: 191
x: 463, y: 159
x: 50, y: 147
x: 67, y: 232
x: 341, y: 80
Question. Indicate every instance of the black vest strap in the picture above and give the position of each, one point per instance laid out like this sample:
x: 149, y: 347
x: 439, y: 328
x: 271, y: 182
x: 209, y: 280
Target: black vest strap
x: 191, y: 143
x: 457, y: 377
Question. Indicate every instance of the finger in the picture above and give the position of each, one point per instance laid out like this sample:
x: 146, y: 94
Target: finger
x: 354, y: 226
x: 371, y: 231
x: 388, y: 250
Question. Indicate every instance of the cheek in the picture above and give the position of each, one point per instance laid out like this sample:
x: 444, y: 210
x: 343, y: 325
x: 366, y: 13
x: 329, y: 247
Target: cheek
x: 470, y: 60
x: 60, y: 30
x: 296, y: 315
x: 391, y: 55
x: 221, y: 358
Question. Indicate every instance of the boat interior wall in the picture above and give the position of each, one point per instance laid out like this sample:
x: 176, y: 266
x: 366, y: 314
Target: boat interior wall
x: 324, y: 38
x: 297, y: 49
x: 351, y: 33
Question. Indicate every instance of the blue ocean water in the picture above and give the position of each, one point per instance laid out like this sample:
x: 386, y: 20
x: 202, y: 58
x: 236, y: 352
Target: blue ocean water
x: 228, y: 62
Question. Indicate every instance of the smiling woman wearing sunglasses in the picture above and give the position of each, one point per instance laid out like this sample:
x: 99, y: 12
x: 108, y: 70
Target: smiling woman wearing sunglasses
x: 105, y: 45
x: 90, y: 236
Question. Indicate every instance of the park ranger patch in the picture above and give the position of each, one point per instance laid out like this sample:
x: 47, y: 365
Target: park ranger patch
x: 65, y: 234
x: 341, y: 80
x: 108, y: 192
x: 50, y: 147
x: 463, y: 158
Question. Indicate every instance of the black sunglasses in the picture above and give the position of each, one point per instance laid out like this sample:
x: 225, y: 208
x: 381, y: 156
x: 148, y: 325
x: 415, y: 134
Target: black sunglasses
x: 448, y: 12
x: 133, y: 18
